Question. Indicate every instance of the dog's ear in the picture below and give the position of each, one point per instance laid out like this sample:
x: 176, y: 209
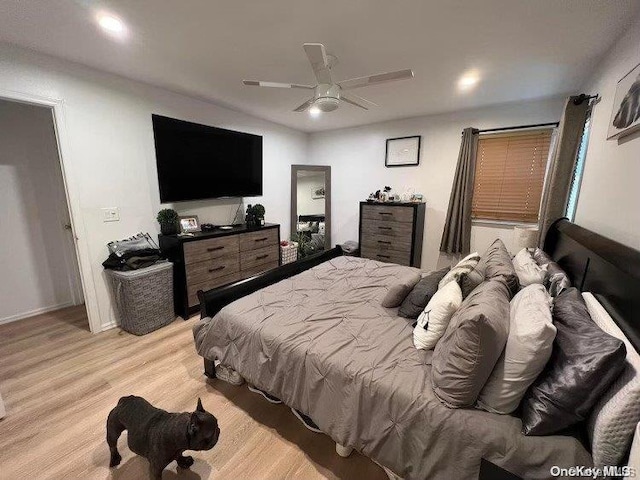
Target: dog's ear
x: 194, y: 425
x: 199, y: 408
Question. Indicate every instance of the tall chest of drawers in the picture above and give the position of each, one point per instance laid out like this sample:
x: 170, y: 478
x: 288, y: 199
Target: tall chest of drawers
x: 213, y: 259
x: 392, y: 232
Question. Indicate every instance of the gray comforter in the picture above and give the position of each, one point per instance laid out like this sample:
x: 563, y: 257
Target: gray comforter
x: 322, y: 343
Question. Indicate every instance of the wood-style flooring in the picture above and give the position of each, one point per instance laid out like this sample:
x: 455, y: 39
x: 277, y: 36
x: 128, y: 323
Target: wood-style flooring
x: 59, y: 383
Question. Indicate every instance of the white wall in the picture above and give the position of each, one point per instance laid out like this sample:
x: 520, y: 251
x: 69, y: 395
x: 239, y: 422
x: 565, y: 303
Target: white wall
x: 306, y: 204
x: 609, y: 201
x: 33, y: 243
x: 356, y: 156
x: 110, y: 158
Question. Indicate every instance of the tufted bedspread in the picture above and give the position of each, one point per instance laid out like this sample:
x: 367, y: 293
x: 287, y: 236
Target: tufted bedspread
x: 322, y: 343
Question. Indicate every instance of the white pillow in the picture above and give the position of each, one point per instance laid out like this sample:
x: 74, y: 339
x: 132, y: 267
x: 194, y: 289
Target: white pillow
x: 528, y: 271
x: 614, y: 418
x: 434, y: 319
x: 529, y: 345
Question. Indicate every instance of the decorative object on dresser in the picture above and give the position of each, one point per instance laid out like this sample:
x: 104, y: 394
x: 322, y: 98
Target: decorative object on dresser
x: 168, y: 220
x: 392, y: 232
x: 403, y: 151
x: 189, y: 224
x: 209, y: 260
x: 255, y: 215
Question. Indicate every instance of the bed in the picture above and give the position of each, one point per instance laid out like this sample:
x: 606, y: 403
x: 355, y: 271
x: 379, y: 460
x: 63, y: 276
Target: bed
x: 316, y: 336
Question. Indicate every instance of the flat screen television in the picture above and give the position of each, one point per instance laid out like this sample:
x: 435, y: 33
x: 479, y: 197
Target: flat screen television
x: 197, y: 161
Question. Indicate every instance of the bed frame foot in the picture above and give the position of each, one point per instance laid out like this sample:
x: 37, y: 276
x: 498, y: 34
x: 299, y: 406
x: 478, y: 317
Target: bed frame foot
x: 343, y: 451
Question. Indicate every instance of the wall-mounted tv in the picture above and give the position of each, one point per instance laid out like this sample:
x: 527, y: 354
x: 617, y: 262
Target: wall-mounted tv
x: 197, y: 161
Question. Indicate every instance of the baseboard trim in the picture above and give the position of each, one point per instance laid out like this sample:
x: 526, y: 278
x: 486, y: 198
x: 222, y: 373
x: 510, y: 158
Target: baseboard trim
x: 37, y: 311
x: 108, y: 326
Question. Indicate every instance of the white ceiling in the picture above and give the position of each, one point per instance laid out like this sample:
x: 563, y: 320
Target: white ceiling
x: 523, y: 49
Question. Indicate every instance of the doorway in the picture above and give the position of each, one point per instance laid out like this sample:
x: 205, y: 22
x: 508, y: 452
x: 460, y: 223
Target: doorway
x: 37, y: 245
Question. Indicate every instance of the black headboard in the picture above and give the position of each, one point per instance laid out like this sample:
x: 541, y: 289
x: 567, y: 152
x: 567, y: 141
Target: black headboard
x: 607, y: 269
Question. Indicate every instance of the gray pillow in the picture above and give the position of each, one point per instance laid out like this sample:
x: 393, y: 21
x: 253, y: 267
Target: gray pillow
x: 496, y: 264
x: 414, y: 303
x: 469, y: 281
x: 399, y: 291
x: 466, y: 354
x: 584, y: 362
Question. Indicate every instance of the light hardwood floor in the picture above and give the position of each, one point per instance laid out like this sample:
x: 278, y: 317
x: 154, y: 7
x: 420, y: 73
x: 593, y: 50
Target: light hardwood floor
x: 59, y: 382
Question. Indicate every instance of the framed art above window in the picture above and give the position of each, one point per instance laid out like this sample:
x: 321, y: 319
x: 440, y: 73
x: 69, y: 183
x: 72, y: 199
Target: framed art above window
x: 403, y: 151
x: 509, y: 176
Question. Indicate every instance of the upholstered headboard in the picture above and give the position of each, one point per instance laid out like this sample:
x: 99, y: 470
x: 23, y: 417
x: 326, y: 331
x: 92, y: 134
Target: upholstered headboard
x: 606, y: 268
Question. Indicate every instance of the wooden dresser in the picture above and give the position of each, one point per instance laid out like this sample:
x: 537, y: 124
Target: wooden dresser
x: 392, y: 232
x: 211, y: 259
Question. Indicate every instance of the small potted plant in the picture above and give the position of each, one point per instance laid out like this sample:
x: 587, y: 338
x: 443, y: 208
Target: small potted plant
x: 168, y: 220
x: 255, y: 215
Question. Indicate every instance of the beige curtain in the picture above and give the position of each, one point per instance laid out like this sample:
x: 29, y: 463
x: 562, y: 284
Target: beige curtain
x: 456, y: 238
x: 562, y: 164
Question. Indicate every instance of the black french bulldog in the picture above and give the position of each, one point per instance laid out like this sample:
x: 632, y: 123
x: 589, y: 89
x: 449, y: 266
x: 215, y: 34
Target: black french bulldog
x: 160, y: 436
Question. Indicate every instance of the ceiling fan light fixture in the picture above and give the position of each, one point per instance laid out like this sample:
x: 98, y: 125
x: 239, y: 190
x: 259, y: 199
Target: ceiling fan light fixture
x: 314, y: 111
x: 327, y: 104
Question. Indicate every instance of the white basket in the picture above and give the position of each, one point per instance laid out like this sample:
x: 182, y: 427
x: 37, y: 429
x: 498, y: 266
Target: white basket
x: 289, y: 253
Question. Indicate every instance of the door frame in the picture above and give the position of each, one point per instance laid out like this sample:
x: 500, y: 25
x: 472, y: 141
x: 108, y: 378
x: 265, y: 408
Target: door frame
x: 78, y: 230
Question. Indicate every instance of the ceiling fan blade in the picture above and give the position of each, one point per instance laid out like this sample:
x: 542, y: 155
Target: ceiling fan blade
x: 257, y: 83
x: 375, y: 79
x: 305, y: 105
x: 357, y: 101
x: 319, y: 62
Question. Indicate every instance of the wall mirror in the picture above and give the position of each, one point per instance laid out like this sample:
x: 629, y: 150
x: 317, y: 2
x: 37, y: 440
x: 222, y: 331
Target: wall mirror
x: 311, y: 208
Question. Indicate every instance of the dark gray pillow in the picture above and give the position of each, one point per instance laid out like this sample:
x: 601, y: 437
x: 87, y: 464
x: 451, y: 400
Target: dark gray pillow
x: 496, y: 264
x: 469, y: 281
x: 414, y: 303
x: 475, y: 337
x: 557, y: 279
x: 584, y: 362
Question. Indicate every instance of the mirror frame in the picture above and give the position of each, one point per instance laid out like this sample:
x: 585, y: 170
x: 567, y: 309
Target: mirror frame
x: 327, y: 199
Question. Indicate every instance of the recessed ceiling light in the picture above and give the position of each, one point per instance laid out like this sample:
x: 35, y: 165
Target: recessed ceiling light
x: 112, y: 25
x: 315, y: 111
x: 468, y: 80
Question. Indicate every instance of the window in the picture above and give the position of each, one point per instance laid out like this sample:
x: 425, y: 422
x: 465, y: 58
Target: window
x: 509, y: 178
x: 576, y: 178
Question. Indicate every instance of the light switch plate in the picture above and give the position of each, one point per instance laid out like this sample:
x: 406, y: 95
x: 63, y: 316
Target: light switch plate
x: 111, y: 214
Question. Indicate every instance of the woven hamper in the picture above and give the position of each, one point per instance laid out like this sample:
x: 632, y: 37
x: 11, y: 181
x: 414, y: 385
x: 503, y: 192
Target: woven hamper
x: 143, y: 298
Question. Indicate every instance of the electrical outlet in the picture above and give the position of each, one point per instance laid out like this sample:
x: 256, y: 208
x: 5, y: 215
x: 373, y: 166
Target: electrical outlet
x: 111, y: 214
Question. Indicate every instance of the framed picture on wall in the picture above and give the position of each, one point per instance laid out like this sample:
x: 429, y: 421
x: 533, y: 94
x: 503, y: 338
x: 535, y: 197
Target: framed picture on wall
x: 317, y: 192
x: 403, y: 151
x: 625, y: 117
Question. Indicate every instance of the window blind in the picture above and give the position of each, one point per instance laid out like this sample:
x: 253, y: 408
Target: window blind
x: 509, y: 177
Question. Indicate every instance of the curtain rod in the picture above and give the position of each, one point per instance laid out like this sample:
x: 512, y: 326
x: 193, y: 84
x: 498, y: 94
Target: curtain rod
x: 519, y: 127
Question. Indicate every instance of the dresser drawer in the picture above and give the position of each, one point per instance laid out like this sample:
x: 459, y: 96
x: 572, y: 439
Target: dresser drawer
x: 259, y: 239
x: 250, y: 272
x: 386, y: 255
x: 388, y: 229
x: 387, y: 243
x: 200, y: 250
x: 192, y: 290
x: 210, y: 269
x: 260, y: 256
x: 387, y: 213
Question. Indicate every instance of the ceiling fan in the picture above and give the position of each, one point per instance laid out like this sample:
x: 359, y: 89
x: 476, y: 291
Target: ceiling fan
x: 327, y: 93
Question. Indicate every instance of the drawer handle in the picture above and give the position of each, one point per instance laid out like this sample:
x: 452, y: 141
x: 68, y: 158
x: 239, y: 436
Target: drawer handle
x: 385, y: 228
x: 385, y: 242
x: 385, y: 213
x: 261, y: 239
x: 383, y: 256
x: 217, y: 269
x: 260, y: 257
x: 213, y: 249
